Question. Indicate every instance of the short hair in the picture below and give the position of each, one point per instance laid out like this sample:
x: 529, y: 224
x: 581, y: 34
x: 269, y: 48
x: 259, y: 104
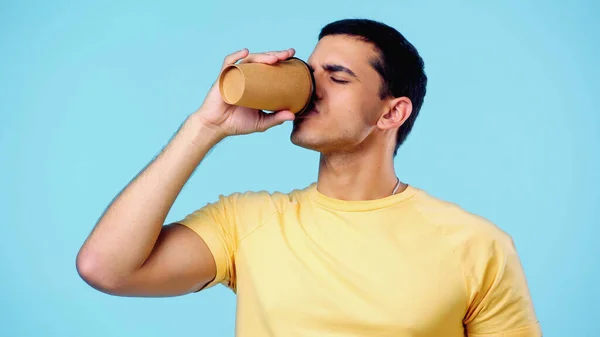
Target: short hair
x: 399, y: 64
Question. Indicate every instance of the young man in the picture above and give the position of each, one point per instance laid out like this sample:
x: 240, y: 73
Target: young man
x: 358, y: 253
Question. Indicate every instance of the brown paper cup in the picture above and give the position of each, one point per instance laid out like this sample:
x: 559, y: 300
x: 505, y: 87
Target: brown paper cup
x: 286, y: 85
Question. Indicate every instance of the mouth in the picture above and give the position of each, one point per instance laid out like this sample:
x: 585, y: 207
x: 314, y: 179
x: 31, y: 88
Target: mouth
x: 310, y: 113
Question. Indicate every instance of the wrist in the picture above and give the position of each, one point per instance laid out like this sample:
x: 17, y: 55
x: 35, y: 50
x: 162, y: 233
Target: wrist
x: 202, y: 132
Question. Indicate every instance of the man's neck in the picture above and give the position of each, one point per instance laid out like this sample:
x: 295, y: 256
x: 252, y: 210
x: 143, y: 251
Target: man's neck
x: 356, y: 176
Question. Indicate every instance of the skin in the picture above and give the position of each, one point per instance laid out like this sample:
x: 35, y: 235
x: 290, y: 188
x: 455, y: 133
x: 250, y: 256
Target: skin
x: 354, y: 129
x: 130, y: 253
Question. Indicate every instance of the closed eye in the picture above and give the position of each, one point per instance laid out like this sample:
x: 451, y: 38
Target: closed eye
x: 338, y: 81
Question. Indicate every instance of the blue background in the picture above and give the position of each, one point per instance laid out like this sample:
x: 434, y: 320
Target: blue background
x: 91, y: 91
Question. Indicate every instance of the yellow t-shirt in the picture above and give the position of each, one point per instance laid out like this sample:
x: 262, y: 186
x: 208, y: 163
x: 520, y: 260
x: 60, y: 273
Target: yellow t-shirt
x: 304, y: 264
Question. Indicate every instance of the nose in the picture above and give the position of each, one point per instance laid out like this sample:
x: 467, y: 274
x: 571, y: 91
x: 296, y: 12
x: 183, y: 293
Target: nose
x: 318, y: 92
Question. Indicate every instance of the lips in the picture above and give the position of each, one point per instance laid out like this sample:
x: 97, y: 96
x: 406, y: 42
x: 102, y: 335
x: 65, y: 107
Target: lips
x: 312, y: 110
x: 310, y: 113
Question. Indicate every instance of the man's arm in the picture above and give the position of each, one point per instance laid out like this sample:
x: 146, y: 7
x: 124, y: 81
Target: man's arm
x: 499, y: 302
x: 130, y: 252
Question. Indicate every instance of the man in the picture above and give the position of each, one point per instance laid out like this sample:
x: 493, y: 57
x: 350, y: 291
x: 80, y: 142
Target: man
x: 358, y: 253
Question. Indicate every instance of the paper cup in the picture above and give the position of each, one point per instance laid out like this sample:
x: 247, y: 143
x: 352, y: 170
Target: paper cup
x: 286, y: 85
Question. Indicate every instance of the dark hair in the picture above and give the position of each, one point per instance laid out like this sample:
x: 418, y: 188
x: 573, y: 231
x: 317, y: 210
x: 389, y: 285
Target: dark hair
x: 399, y: 64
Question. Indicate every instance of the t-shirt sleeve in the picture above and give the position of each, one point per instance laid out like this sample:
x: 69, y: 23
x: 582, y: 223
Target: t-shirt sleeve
x: 500, y: 303
x: 216, y: 223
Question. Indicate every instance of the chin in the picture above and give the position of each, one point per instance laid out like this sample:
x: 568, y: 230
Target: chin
x: 301, y: 137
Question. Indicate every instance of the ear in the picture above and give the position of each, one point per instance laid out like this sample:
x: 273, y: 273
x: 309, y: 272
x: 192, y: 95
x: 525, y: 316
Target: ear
x: 397, y: 112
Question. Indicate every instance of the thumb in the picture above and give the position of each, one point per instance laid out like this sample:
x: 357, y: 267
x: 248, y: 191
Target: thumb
x: 269, y: 120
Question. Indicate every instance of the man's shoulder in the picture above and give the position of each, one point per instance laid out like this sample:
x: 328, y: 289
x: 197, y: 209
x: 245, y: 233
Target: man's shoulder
x: 458, y: 224
x: 277, y: 200
x: 476, y: 241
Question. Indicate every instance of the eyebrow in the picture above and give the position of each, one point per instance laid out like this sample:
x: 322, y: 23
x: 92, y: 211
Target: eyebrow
x: 334, y: 68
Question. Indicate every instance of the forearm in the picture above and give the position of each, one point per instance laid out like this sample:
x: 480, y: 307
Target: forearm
x: 127, y: 232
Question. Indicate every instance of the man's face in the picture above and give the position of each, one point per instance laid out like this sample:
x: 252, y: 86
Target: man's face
x: 347, y: 104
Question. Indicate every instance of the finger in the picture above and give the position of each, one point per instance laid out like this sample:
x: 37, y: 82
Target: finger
x: 283, y: 54
x: 290, y: 52
x: 269, y: 57
x: 285, y: 115
x: 269, y: 120
x: 234, y: 57
x: 260, y: 58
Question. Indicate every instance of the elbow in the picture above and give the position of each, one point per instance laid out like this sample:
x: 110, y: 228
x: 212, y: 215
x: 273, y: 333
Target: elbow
x: 95, y: 273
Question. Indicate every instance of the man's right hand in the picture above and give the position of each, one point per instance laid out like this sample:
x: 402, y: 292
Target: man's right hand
x: 228, y: 120
x: 129, y: 251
